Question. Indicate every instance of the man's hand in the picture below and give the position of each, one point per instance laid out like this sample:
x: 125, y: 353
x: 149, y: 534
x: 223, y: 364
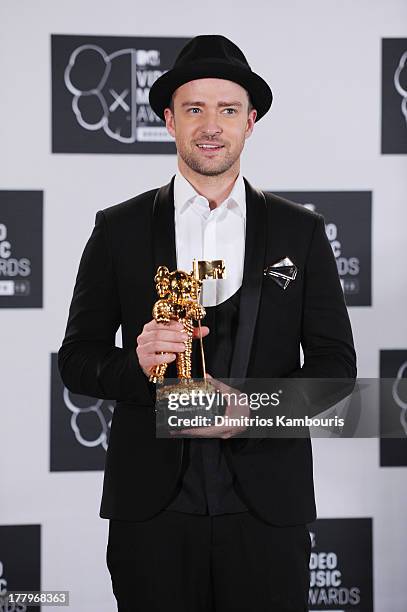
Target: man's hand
x: 234, y: 409
x: 168, y: 337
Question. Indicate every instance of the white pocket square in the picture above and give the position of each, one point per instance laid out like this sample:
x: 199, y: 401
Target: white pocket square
x: 282, y: 272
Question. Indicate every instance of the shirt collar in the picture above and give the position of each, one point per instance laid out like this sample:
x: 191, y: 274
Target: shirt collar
x: 185, y: 195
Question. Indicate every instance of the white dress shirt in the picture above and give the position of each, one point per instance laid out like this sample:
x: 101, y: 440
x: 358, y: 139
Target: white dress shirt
x: 206, y: 234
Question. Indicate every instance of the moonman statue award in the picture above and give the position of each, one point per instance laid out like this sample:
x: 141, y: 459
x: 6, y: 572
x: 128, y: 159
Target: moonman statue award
x: 179, y: 301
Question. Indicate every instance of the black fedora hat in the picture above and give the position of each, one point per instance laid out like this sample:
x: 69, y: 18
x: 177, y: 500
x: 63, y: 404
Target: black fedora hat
x: 210, y: 56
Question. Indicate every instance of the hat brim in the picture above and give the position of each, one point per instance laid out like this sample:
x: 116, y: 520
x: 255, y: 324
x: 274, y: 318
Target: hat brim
x: 163, y: 88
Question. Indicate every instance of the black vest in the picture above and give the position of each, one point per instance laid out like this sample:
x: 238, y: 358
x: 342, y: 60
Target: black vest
x: 206, y: 483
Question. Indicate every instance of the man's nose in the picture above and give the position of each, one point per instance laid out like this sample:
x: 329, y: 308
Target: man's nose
x: 211, y: 124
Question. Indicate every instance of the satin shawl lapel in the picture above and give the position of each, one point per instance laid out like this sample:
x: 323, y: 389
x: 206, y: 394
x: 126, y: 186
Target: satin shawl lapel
x: 164, y: 250
x: 255, y: 250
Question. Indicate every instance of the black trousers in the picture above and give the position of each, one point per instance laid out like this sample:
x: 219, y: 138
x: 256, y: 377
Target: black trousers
x: 201, y: 563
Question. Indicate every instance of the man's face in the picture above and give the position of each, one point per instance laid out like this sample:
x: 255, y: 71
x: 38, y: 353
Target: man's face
x: 210, y: 124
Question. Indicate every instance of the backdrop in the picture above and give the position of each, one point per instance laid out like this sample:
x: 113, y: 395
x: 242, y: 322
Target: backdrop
x: 77, y: 135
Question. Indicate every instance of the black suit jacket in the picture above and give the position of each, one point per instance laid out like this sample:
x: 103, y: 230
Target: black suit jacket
x: 115, y: 286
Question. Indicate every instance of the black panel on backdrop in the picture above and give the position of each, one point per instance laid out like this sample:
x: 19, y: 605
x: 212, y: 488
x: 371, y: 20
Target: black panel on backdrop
x: 394, y: 95
x: 393, y: 404
x: 21, y: 214
x: 100, y: 87
x: 341, y: 571
x: 348, y: 224
x: 80, y: 427
x: 20, y: 562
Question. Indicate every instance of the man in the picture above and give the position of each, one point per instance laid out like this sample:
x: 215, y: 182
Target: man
x: 206, y: 523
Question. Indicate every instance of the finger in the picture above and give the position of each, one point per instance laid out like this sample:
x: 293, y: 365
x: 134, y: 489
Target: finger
x: 233, y: 431
x: 209, y: 432
x: 166, y: 347
x: 154, y: 325
x: 162, y: 335
x: 204, y: 330
x: 157, y: 360
x: 205, y: 432
x: 168, y: 335
x: 231, y: 435
x: 195, y: 432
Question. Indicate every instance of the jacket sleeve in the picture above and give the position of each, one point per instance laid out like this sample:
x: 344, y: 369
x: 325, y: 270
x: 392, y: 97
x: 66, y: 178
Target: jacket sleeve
x: 326, y: 333
x: 329, y: 370
x: 88, y: 360
x: 326, y: 336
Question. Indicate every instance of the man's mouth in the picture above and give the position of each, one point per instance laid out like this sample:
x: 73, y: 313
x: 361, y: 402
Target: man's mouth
x: 209, y: 147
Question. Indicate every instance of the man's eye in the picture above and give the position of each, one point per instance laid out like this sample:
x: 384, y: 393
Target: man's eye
x: 230, y: 111
x: 193, y: 109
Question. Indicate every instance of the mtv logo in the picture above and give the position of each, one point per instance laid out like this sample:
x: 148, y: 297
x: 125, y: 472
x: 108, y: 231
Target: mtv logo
x: 100, y: 93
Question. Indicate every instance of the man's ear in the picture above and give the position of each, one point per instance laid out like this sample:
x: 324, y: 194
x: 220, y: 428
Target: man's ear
x: 251, y: 118
x: 169, y: 121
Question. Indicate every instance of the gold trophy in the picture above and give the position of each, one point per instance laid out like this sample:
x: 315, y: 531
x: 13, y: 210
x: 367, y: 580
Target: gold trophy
x: 179, y: 301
